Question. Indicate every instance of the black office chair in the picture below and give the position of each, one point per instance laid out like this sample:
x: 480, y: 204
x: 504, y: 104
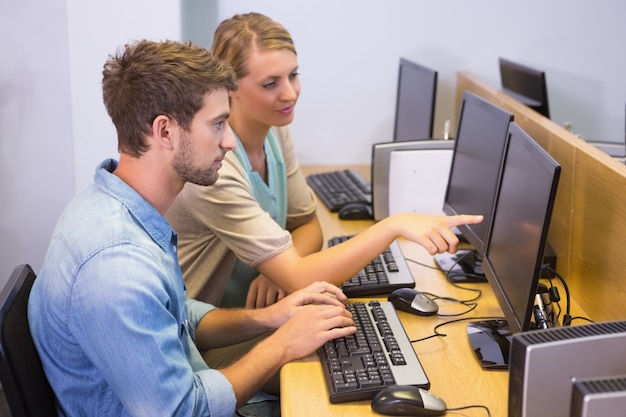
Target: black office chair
x: 24, y: 382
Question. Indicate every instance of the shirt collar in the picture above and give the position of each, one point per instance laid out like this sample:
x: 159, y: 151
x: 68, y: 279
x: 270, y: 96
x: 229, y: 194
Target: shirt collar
x: 144, y: 213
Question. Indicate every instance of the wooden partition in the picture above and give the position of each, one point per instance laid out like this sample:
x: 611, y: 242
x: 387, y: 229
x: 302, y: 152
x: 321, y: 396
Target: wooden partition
x: 588, y: 228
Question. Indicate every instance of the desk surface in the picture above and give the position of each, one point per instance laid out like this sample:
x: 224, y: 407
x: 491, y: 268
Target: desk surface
x: 449, y: 362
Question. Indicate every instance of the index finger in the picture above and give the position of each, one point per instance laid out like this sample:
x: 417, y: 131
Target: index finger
x: 460, y: 219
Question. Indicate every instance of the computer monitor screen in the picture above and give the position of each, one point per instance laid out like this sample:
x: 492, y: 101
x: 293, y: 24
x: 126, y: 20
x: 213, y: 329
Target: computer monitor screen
x: 517, y: 239
x: 480, y: 144
x: 527, y: 85
x: 415, y: 102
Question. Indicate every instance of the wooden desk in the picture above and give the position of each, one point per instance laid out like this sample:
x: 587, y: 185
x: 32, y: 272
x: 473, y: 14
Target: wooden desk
x: 449, y: 362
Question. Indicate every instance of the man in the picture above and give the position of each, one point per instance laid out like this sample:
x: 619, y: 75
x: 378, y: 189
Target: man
x: 108, y: 312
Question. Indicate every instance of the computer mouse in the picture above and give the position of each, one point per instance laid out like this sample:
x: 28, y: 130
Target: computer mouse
x: 413, y: 301
x: 407, y: 400
x: 356, y: 211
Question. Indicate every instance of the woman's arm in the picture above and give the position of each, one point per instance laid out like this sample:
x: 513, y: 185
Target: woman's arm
x: 291, y: 271
x: 307, y: 239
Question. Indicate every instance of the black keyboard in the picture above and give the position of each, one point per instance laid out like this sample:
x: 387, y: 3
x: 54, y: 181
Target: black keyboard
x: 378, y: 355
x: 338, y: 188
x: 385, y: 273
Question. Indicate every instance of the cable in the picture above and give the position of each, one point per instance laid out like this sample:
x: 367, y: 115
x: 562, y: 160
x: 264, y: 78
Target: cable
x: 484, y: 407
x: 437, y: 334
x: 567, y: 317
x: 577, y: 318
x: 449, y: 273
x: 471, y: 303
x: 476, y: 290
x: 553, y: 293
x: 436, y: 268
x: 468, y: 303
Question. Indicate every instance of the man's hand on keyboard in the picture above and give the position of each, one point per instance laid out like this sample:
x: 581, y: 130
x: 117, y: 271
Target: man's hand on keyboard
x: 313, y: 316
x: 314, y: 325
x: 319, y: 293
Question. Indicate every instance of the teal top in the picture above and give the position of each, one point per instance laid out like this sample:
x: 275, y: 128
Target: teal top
x: 272, y: 198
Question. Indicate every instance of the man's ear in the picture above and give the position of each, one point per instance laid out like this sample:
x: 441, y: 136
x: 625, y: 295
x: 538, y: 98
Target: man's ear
x: 164, y: 131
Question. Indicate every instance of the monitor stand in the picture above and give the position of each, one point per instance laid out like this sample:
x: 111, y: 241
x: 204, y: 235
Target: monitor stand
x: 490, y: 340
x: 464, y: 266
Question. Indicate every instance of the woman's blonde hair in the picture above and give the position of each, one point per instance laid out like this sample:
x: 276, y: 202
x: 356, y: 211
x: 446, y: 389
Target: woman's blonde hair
x: 235, y: 39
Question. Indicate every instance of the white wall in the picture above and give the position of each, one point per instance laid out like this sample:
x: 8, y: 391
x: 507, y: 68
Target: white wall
x: 36, y: 159
x: 54, y: 128
x: 96, y: 30
x: 349, y: 50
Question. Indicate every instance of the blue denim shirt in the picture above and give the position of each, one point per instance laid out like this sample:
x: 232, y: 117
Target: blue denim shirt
x: 110, y: 316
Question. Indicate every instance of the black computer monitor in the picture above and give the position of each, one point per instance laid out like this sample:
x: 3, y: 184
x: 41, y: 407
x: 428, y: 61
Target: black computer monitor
x: 527, y: 85
x: 415, y: 102
x: 515, y: 247
x: 480, y: 143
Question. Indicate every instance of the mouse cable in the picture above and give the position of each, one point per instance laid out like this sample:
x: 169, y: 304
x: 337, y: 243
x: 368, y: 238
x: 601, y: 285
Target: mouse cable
x: 436, y: 297
x: 437, y: 334
x: 476, y: 290
x: 471, y: 308
x: 484, y: 407
x: 467, y: 303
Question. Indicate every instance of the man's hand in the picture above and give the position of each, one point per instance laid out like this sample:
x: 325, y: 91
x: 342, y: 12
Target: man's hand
x: 320, y: 293
x: 311, y: 327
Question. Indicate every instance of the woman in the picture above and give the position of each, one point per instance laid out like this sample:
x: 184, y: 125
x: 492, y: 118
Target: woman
x: 262, y: 204
x: 254, y: 235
